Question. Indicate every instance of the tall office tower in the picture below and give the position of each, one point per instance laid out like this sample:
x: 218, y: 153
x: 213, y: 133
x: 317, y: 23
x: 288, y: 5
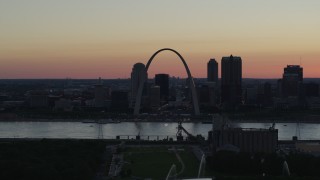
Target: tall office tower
x: 294, y: 70
x: 212, y: 71
x: 100, y: 94
x: 231, y: 81
x: 162, y: 80
x: 138, y: 74
x: 207, y: 94
x: 292, y: 80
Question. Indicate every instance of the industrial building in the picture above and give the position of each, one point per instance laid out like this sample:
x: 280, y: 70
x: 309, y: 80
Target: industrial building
x: 250, y: 140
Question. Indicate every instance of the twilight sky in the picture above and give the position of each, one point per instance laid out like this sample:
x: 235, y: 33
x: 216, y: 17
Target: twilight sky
x: 104, y: 38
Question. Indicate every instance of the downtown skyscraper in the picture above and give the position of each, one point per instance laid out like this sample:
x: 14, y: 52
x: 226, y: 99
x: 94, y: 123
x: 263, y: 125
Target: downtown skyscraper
x: 212, y: 71
x: 138, y: 75
x: 292, y: 80
x: 162, y: 80
x: 231, y: 81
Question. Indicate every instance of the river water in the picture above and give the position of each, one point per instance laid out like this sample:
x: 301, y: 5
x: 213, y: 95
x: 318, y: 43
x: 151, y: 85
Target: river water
x: 304, y: 131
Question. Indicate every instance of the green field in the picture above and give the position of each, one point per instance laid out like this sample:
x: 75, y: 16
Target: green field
x: 155, y: 162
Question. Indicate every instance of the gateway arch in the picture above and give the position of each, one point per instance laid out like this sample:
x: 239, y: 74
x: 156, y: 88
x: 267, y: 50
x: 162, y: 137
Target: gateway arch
x: 191, y: 85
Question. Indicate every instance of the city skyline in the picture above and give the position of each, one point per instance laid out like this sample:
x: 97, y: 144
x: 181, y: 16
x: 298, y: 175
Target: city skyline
x: 80, y: 39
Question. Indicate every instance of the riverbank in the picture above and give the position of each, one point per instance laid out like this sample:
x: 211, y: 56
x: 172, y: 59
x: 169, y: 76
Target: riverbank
x: 108, y: 121
x: 262, y: 116
x: 132, y: 141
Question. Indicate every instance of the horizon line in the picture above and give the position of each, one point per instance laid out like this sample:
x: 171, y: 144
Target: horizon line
x: 130, y: 78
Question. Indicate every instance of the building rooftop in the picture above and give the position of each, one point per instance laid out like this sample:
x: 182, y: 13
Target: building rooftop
x: 250, y: 129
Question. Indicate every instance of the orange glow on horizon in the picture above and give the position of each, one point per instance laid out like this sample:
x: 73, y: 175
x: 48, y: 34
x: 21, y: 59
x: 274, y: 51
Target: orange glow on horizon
x: 82, y: 39
x: 254, y: 66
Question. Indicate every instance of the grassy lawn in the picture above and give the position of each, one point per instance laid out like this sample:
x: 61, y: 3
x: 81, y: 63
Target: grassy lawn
x: 155, y: 162
x: 191, y: 164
